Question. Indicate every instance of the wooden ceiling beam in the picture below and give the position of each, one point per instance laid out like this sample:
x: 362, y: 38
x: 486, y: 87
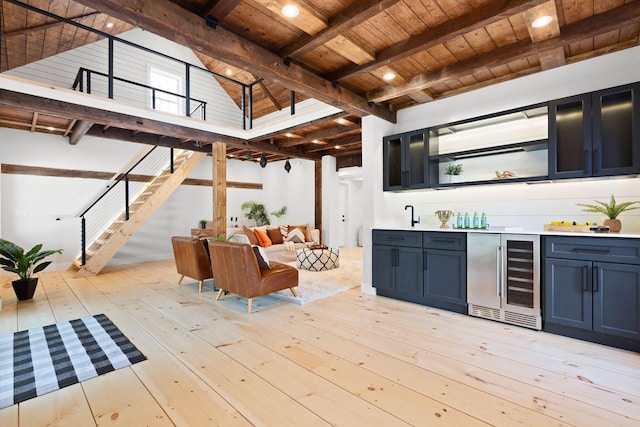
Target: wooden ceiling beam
x: 124, y: 125
x: 627, y: 14
x: 43, y: 27
x: 352, y: 16
x: 293, y: 129
x: 79, y: 130
x: 219, y: 9
x: 353, y: 140
x: 168, y: 20
x: 472, y: 21
x: 263, y: 87
x: 321, y: 134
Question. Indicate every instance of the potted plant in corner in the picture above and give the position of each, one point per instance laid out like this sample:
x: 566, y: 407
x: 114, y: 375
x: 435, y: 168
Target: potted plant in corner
x: 611, y: 210
x: 14, y: 259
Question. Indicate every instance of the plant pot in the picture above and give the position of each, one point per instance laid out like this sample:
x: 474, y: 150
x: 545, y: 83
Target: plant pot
x: 25, y: 288
x: 614, y: 224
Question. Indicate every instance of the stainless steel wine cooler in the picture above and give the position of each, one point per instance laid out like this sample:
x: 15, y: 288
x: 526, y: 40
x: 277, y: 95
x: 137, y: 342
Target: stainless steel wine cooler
x: 503, y: 280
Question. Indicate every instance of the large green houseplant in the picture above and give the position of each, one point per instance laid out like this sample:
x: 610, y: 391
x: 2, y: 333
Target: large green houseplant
x: 14, y: 259
x: 257, y: 213
x: 611, y: 210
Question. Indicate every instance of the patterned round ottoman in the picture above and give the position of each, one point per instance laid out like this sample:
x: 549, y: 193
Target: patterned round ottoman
x: 321, y: 259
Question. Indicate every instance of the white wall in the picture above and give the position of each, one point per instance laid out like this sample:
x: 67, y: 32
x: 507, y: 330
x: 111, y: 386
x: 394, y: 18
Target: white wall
x: 527, y: 205
x: 30, y: 205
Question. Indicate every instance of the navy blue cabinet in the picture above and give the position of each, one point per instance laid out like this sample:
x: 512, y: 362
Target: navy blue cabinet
x: 592, y: 289
x: 595, y: 134
x: 406, y: 161
x: 423, y: 267
x: 445, y: 270
x: 397, y: 264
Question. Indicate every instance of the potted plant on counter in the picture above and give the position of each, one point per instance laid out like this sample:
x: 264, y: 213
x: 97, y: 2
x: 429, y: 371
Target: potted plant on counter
x: 14, y: 259
x: 611, y: 210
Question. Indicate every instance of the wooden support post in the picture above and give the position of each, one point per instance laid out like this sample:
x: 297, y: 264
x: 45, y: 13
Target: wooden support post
x: 219, y: 187
x: 318, y: 196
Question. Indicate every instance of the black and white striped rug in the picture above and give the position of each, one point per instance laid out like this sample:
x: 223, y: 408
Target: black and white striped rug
x: 41, y: 360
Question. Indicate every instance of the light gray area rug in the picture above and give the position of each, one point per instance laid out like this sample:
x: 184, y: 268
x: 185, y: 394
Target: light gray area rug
x: 315, y: 285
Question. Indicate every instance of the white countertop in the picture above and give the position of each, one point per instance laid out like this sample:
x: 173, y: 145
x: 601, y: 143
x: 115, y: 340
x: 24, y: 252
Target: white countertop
x: 511, y: 230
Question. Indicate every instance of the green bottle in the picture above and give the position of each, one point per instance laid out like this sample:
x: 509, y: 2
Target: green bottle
x: 483, y: 220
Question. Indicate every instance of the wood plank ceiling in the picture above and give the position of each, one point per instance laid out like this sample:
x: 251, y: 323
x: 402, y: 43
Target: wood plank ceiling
x: 339, y: 51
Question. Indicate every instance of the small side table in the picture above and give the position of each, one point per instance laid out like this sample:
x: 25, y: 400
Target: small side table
x: 202, y: 232
x: 322, y: 259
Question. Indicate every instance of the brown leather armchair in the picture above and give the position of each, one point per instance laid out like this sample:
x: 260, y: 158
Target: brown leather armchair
x: 236, y: 270
x: 192, y: 258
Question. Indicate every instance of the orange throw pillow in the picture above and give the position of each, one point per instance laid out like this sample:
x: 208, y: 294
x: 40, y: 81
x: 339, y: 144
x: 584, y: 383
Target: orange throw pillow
x: 263, y: 239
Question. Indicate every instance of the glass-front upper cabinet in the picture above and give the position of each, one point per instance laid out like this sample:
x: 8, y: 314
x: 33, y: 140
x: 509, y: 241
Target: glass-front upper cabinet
x: 510, y: 146
x: 595, y: 134
x: 405, y: 161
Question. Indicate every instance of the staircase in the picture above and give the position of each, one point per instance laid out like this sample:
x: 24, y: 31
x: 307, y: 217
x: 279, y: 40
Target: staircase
x: 142, y: 206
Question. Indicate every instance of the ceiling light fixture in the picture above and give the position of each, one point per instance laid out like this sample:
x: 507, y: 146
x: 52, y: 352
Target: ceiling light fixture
x: 389, y: 76
x: 263, y: 161
x: 542, y: 21
x: 290, y: 11
x: 287, y: 166
x: 337, y: 147
x: 229, y: 72
x: 288, y: 135
x: 109, y: 24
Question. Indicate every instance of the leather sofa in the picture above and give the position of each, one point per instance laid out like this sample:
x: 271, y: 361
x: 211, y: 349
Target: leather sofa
x: 235, y: 269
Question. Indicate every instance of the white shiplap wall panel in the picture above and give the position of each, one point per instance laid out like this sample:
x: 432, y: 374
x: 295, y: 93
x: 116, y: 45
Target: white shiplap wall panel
x: 133, y: 64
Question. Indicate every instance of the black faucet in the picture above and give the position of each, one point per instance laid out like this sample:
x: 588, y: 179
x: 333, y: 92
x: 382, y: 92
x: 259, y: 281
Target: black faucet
x: 413, y: 221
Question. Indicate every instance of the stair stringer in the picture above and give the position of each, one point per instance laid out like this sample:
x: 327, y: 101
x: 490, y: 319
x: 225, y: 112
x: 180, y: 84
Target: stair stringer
x: 96, y: 261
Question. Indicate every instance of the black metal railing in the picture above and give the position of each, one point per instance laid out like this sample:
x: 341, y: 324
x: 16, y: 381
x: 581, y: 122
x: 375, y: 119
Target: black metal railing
x: 83, y: 82
x: 245, y: 89
x: 116, y: 199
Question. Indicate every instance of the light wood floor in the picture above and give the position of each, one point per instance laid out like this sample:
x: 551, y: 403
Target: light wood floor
x: 349, y: 360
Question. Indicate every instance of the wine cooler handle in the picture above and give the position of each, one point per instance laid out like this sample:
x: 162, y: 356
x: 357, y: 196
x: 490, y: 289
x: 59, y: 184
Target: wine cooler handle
x: 498, y: 271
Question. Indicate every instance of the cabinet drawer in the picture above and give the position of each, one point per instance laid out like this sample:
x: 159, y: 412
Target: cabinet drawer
x: 411, y: 239
x: 445, y: 240
x: 626, y: 251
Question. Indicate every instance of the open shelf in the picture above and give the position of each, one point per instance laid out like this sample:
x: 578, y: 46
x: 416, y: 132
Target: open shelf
x: 540, y: 144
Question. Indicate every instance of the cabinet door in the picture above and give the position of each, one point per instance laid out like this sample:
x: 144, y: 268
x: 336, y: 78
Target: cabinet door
x: 393, y: 162
x: 383, y: 274
x: 616, y: 137
x: 416, y: 160
x: 408, y: 272
x: 616, y: 299
x: 445, y: 277
x: 568, y: 293
x: 570, y: 139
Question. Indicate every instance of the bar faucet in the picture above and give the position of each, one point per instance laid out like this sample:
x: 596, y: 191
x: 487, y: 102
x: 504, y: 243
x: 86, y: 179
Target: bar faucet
x: 413, y: 221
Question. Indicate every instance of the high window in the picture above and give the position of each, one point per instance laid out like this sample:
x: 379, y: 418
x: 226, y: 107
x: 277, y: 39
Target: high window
x: 169, y: 82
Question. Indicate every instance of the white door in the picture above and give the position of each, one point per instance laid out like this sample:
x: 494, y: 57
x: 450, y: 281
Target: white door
x: 343, y: 208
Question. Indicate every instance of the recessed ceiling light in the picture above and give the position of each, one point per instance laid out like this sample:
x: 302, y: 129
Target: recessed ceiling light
x: 542, y: 21
x: 290, y: 11
x: 288, y: 135
x: 229, y: 72
x: 389, y: 76
x: 337, y: 147
x: 51, y: 128
x: 109, y: 24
